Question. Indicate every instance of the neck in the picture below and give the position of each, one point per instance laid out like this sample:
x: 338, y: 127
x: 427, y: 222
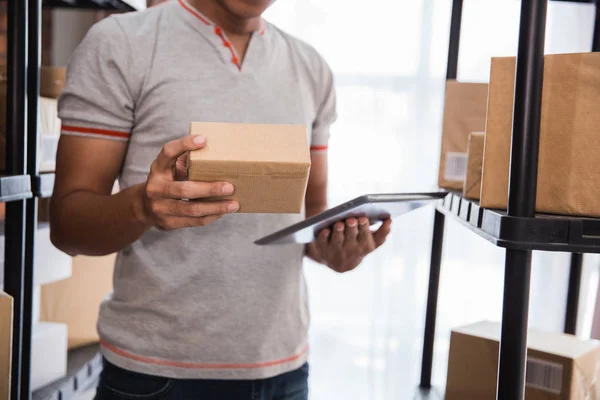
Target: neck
x: 234, y: 25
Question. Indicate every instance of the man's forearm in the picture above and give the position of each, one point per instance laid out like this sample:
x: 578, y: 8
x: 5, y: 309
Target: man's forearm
x: 94, y: 224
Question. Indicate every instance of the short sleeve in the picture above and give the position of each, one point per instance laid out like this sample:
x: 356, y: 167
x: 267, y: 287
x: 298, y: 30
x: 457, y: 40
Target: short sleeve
x: 326, y: 112
x: 97, y: 99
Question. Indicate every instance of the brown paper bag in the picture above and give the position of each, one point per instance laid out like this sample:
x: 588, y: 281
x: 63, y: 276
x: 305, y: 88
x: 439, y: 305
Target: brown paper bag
x: 464, y: 112
x: 569, y: 166
x: 76, y: 300
x: 472, y: 187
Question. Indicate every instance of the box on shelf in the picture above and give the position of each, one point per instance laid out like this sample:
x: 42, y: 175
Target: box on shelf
x: 49, y: 128
x: 559, y: 366
x: 464, y: 112
x: 52, y: 81
x: 51, y: 264
x: 472, y: 186
x: 48, y: 353
x: 6, y: 323
x: 76, y: 301
x: 267, y: 164
x: 568, y: 173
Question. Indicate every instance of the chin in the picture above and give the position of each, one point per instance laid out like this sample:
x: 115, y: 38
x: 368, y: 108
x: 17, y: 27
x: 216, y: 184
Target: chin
x: 246, y: 8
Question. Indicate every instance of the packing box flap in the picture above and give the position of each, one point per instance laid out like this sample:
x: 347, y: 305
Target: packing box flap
x: 252, y: 142
x: 268, y: 165
x: 6, y: 322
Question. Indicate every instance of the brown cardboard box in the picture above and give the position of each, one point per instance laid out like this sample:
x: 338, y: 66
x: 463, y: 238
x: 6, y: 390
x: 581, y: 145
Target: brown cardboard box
x: 568, y: 167
x: 52, y: 81
x: 464, y: 112
x: 267, y: 164
x: 559, y: 366
x: 76, y: 300
x: 6, y: 323
x: 472, y: 187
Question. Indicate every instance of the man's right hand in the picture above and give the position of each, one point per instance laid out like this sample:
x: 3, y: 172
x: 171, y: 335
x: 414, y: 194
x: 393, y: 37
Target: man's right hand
x: 164, y: 197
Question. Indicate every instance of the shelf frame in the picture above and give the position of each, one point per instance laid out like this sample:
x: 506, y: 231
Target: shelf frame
x: 577, y: 235
x: 109, y: 5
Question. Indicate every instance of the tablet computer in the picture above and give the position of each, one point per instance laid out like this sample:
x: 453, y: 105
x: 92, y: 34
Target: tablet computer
x: 377, y: 207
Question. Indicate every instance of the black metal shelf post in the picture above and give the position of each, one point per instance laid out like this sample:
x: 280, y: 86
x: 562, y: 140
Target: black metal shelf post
x: 439, y: 221
x: 14, y: 253
x: 522, y: 197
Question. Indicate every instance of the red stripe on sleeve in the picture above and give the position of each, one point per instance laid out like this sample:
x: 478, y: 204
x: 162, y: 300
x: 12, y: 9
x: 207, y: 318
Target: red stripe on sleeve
x: 94, y: 131
x: 318, y: 148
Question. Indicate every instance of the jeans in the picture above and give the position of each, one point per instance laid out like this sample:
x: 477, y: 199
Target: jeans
x: 117, y: 383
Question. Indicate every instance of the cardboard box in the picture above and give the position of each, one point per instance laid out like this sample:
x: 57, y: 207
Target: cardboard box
x: 568, y: 173
x: 267, y: 164
x: 48, y: 126
x: 6, y: 323
x: 52, y: 81
x: 48, y: 353
x: 559, y: 366
x: 472, y: 187
x: 464, y: 112
x: 76, y: 301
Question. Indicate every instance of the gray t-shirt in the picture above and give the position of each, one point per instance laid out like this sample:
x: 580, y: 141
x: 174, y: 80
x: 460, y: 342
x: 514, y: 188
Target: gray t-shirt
x: 200, y: 302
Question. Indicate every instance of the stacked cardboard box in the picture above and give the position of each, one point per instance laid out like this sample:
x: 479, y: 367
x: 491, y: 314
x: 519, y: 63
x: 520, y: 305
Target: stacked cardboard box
x: 464, y: 112
x: 568, y: 168
x: 76, y: 301
x: 472, y: 187
x: 559, y: 366
x: 51, y: 83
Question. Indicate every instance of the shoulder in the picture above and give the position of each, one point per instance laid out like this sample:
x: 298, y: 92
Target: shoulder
x: 132, y: 27
x: 306, y: 55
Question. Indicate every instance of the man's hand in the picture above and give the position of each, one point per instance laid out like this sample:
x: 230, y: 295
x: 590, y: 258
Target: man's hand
x: 164, y: 197
x: 343, y: 248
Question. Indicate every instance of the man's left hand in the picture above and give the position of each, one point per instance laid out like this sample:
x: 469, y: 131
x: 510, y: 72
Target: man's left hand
x: 343, y: 247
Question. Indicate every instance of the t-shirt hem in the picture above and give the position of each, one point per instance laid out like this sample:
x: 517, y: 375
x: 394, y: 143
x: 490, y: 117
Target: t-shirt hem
x: 259, y: 370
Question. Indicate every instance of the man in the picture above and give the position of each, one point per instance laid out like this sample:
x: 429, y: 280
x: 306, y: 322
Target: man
x: 198, y: 311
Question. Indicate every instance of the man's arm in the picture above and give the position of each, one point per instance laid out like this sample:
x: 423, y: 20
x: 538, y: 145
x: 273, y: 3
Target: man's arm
x: 85, y: 218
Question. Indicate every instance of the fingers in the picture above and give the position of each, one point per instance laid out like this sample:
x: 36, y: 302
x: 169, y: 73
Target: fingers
x: 171, y: 151
x: 337, y: 237
x: 365, y: 237
x: 192, y: 209
x: 187, y: 190
x: 351, y: 231
x: 323, y: 237
x: 381, y: 233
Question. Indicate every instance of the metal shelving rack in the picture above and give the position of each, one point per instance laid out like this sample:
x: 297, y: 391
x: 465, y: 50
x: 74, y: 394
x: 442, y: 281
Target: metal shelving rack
x: 519, y: 230
x: 21, y: 187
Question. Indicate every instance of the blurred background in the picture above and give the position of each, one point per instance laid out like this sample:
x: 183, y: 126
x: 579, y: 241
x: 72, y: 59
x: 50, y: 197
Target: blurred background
x: 389, y: 60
